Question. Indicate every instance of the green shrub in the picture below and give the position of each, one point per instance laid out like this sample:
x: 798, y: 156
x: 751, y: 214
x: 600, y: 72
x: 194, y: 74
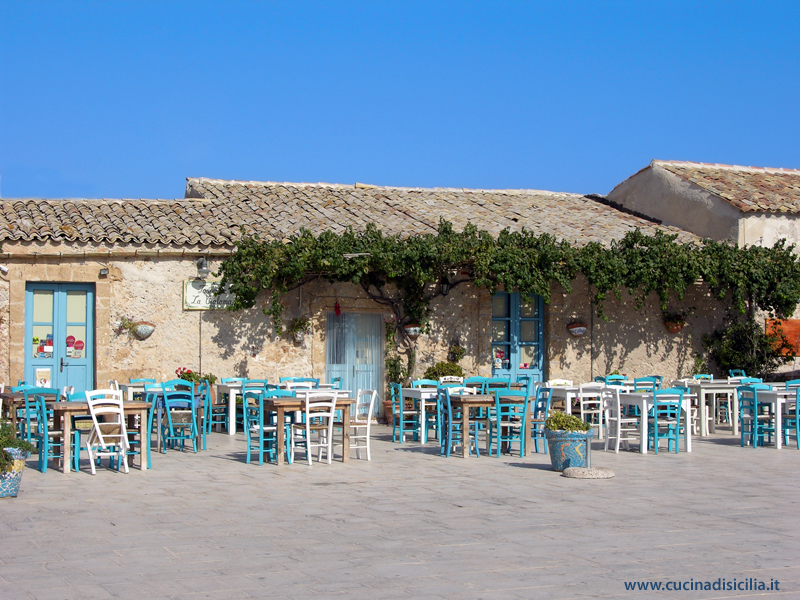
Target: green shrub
x: 443, y: 369
x: 9, y: 439
x: 746, y: 345
x: 559, y: 421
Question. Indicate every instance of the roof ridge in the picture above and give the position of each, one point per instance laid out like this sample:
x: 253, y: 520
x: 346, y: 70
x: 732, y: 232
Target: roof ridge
x: 727, y: 167
x: 366, y: 186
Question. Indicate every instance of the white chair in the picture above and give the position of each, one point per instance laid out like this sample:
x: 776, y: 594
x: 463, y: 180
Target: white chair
x: 451, y: 379
x: 320, y: 409
x: 619, y: 427
x: 113, y: 384
x: 362, y: 422
x: 299, y: 385
x: 65, y: 392
x: 558, y: 382
x: 109, y: 436
x: 591, y: 404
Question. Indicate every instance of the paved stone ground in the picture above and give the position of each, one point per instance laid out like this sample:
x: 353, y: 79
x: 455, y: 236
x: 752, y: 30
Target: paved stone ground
x: 408, y: 524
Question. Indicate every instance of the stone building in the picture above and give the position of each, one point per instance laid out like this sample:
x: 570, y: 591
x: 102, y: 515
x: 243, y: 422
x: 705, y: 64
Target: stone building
x: 75, y: 267
x: 746, y: 205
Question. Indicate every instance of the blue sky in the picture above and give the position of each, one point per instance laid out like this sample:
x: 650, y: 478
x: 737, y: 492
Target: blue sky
x: 127, y: 99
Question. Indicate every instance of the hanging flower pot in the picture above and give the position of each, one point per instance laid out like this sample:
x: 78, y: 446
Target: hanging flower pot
x: 577, y: 329
x: 298, y: 329
x: 674, y: 326
x: 412, y: 330
x: 142, y: 330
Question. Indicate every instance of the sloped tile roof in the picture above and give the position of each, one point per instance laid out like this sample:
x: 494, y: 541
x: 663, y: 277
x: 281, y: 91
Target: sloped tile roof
x: 750, y: 189
x: 214, y: 211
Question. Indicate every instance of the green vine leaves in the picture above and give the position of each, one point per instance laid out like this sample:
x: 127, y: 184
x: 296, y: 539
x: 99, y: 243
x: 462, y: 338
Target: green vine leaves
x: 755, y: 277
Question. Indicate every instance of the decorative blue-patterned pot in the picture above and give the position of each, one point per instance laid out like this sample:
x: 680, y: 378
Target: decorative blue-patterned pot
x: 9, y: 480
x: 567, y: 448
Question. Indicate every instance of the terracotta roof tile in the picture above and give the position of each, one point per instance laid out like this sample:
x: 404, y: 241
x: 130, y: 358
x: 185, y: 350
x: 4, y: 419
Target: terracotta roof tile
x: 214, y: 211
x: 750, y: 189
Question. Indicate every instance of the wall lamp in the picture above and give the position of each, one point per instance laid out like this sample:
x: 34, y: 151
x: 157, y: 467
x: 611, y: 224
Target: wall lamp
x: 202, y: 267
x: 104, y: 272
x: 445, y: 285
x: 3, y: 269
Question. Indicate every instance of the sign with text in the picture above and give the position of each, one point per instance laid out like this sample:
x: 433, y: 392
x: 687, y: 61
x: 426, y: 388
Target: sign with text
x: 200, y: 295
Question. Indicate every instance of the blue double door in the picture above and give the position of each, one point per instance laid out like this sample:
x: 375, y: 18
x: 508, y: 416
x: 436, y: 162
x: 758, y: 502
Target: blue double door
x: 354, y: 352
x: 517, y: 336
x: 59, y: 335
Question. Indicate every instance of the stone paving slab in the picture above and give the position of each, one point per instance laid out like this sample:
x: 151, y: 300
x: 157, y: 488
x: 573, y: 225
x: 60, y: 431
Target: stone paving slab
x: 408, y: 524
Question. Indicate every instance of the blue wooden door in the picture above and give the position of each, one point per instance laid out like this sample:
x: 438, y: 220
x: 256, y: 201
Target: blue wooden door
x: 517, y: 336
x: 59, y: 335
x: 354, y: 352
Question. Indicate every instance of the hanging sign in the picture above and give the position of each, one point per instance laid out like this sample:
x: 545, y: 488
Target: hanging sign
x: 201, y: 295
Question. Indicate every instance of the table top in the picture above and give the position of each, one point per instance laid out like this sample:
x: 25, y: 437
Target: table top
x: 20, y: 395
x: 297, y: 403
x: 84, y: 406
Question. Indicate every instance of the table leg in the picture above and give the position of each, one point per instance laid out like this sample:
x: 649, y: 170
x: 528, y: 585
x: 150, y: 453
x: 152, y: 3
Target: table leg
x: 687, y: 421
x: 232, y: 412
x: 280, y: 430
x: 423, y: 421
x: 67, y: 447
x: 735, y: 410
x: 643, y: 427
x: 144, y: 441
x: 346, y: 434
x: 701, y: 411
x: 778, y: 423
x: 567, y: 402
x: 465, y: 431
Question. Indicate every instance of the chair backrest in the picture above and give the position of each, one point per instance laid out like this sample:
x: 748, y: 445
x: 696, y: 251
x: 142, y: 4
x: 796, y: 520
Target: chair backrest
x: 178, y: 399
x: 646, y: 384
x: 659, y: 379
x: 320, y: 404
x: 42, y: 416
x: 364, y: 407
x: 336, y: 383
x: 748, y: 400
x: 558, y: 383
x: 451, y: 379
x: 749, y: 380
x: 609, y: 396
x: 792, y: 384
x: 445, y: 406
x: 110, y: 430
x: 254, y: 384
x: 539, y: 403
x: 276, y: 392
x: 665, y: 403
x: 234, y: 380
x: 590, y: 389
x: 424, y: 383
x: 65, y: 392
x: 506, y: 410
x: 76, y: 397
x: 178, y: 384
x: 736, y: 373
x: 299, y: 385
x: 143, y: 380
x: 113, y: 384
x: 703, y: 377
x: 396, y: 391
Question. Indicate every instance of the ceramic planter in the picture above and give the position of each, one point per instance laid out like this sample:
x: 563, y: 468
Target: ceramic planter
x: 387, y: 411
x: 674, y: 326
x: 299, y: 336
x: 10, y: 480
x: 568, y: 448
x: 412, y: 330
x: 143, y: 330
x: 577, y: 329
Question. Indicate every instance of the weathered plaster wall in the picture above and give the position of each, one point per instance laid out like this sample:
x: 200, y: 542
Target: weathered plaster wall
x: 657, y: 193
x: 635, y: 342
x: 764, y: 229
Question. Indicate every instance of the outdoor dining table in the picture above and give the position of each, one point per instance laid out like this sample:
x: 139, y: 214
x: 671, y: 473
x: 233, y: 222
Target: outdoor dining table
x: 570, y: 392
x: 778, y: 398
x: 465, y: 402
x: 16, y: 400
x: 703, y: 388
x: 421, y: 395
x: 645, y: 402
x: 288, y: 404
x: 62, y: 419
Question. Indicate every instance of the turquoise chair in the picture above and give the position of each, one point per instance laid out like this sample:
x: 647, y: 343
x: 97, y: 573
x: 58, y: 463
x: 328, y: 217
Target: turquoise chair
x: 477, y: 382
x: 452, y: 426
x: 664, y: 419
x: 181, y: 424
x: 736, y: 373
x: 511, y: 417
x: 50, y: 443
x: 756, y: 420
x: 260, y: 434
x: 646, y: 384
x: 750, y: 380
x: 30, y: 408
x: 275, y: 392
x: 538, y: 410
x: 404, y: 420
x: 703, y: 377
x: 336, y: 383
x: 658, y: 378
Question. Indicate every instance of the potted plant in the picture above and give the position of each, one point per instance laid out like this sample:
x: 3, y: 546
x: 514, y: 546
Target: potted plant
x: 567, y: 438
x: 299, y: 328
x: 13, y: 453
x: 674, y: 321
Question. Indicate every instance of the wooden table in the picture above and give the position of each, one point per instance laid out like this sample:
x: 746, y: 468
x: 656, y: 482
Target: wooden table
x: 62, y: 419
x: 283, y: 405
x: 16, y: 400
x: 465, y: 402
